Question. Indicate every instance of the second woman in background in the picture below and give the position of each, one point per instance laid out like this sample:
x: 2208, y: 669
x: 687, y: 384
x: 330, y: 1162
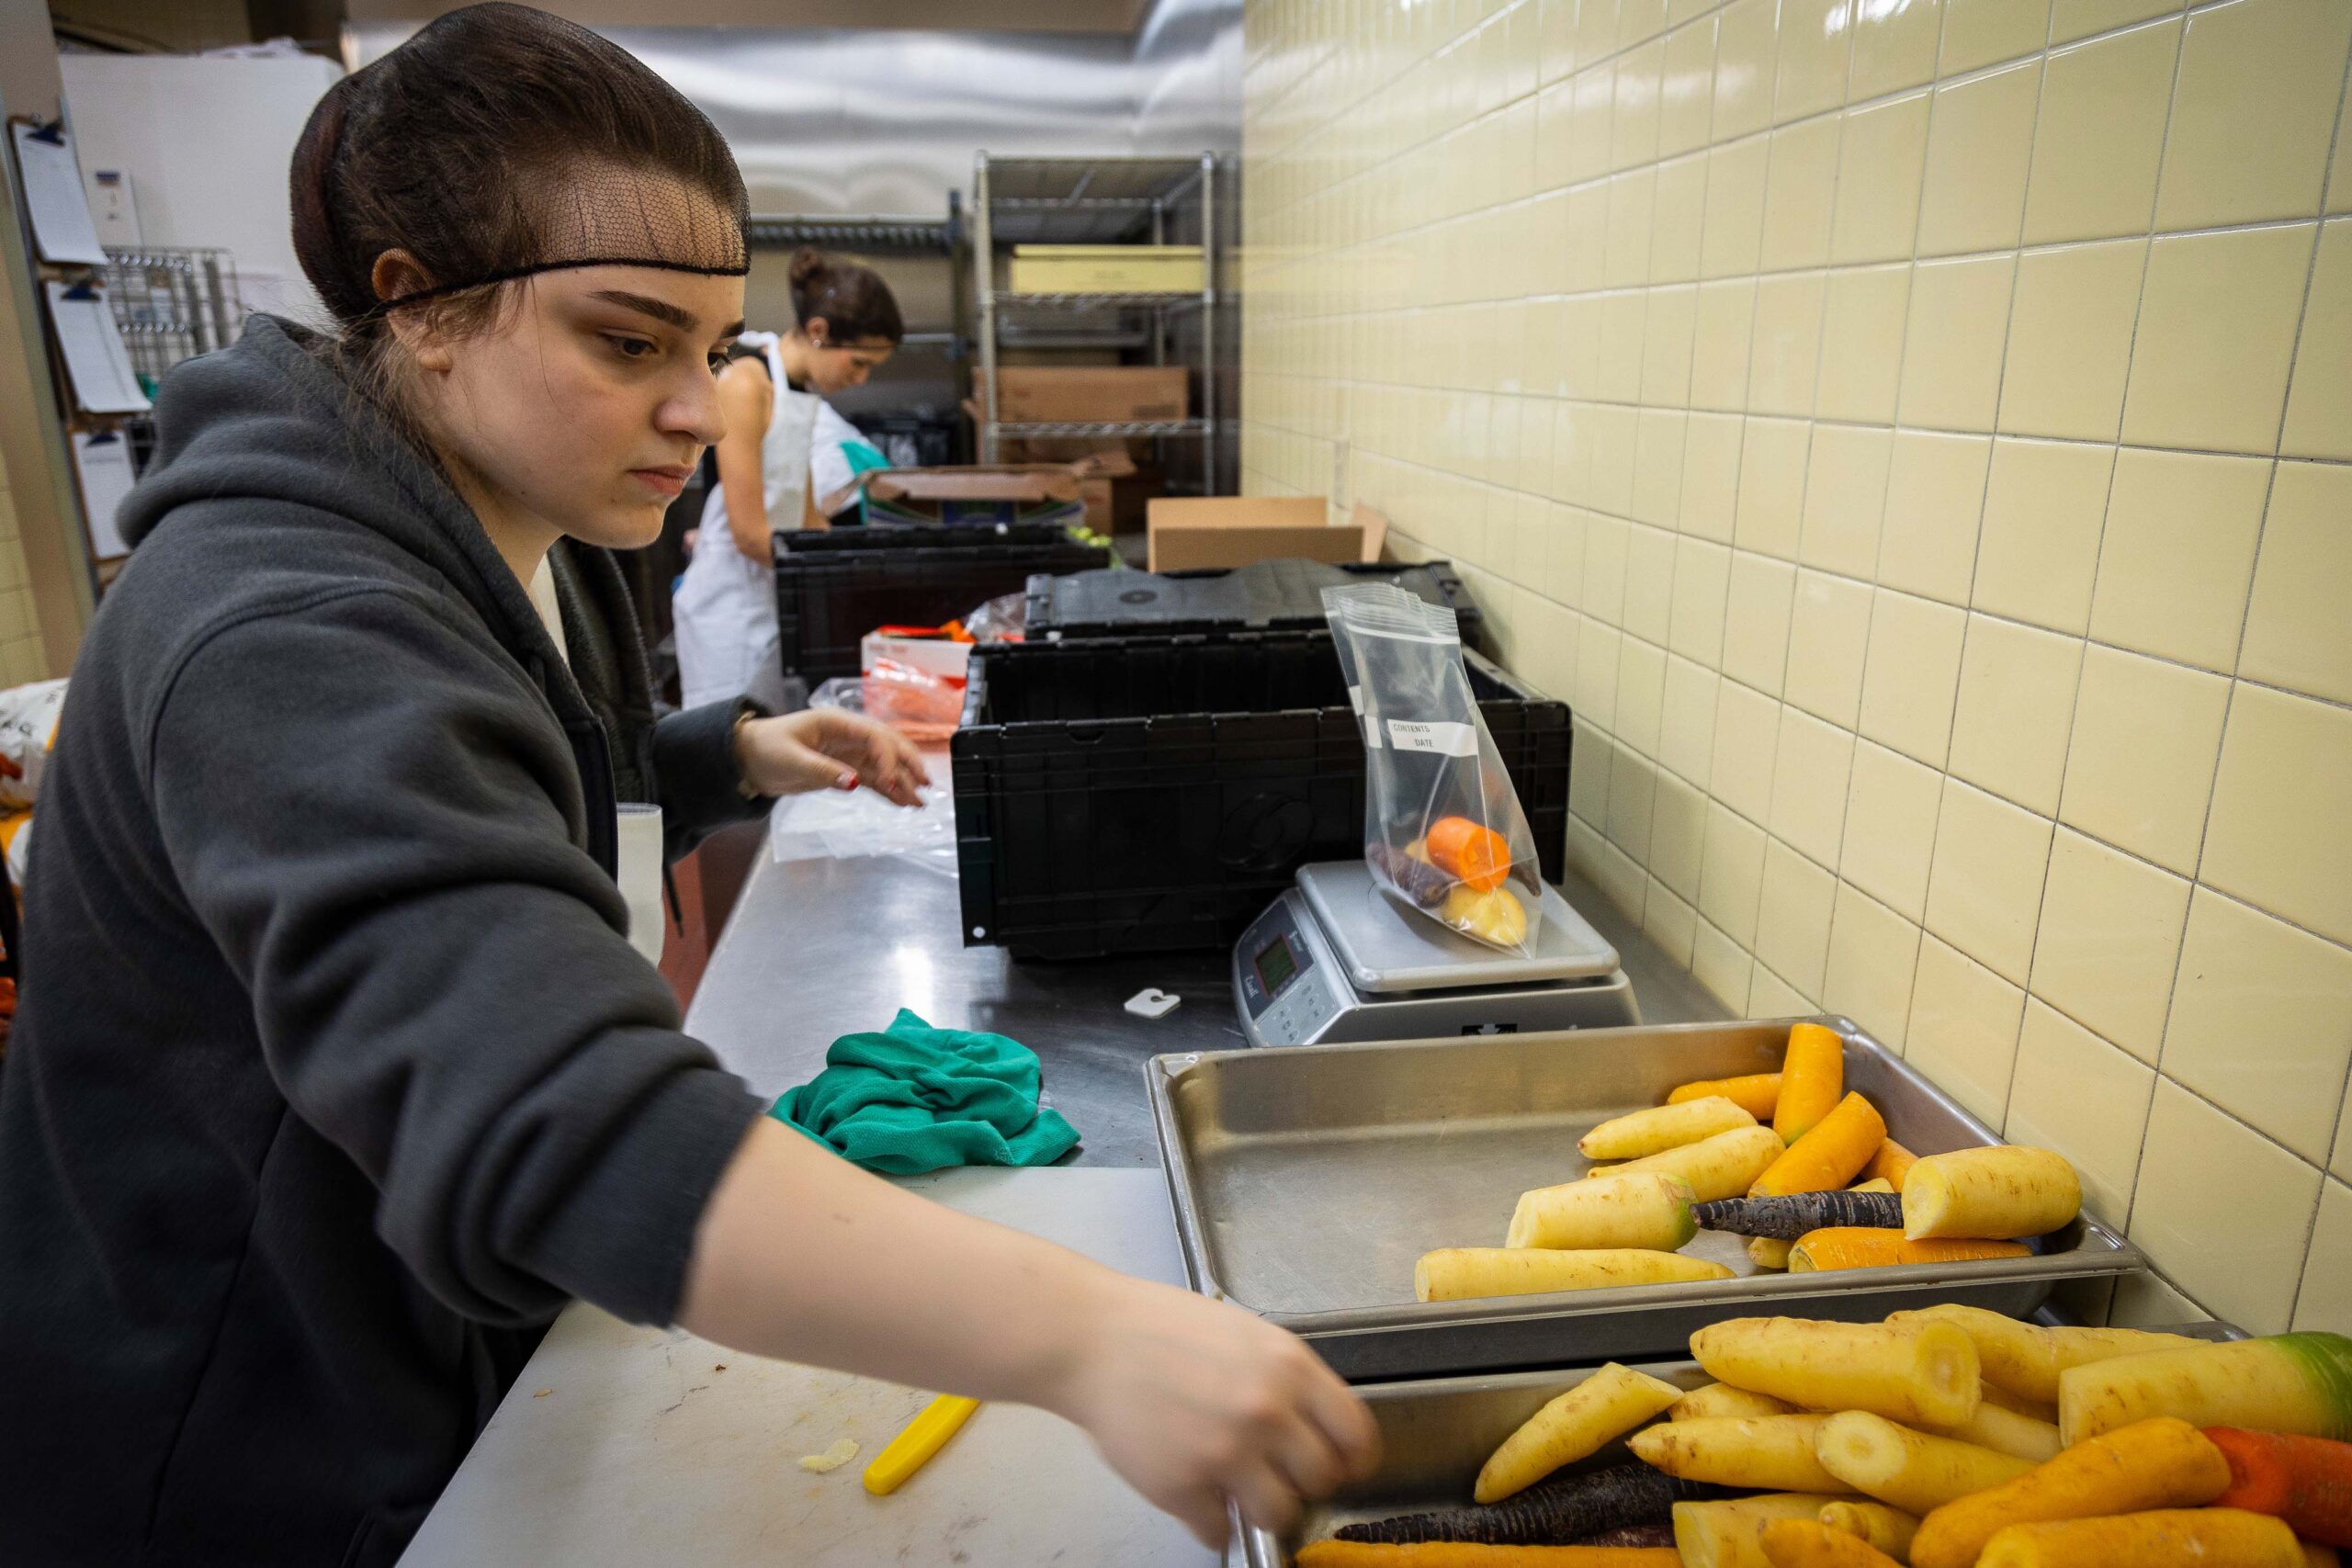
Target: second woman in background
x: 780, y: 463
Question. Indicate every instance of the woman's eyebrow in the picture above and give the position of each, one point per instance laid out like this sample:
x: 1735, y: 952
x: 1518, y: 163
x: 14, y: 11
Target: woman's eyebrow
x: 647, y: 305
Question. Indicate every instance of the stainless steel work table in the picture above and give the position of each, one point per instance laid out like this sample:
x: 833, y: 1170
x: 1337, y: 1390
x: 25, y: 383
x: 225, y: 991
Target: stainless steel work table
x: 629, y: 1446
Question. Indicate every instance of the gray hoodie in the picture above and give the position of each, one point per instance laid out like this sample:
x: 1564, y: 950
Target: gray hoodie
x: 336, y: 1075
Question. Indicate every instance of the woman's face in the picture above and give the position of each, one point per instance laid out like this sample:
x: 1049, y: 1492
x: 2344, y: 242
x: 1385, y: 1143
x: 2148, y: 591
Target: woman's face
x: 587, y: 403
x: 837, y: 366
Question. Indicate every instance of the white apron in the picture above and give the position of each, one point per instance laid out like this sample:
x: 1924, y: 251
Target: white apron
x: 725, y: 608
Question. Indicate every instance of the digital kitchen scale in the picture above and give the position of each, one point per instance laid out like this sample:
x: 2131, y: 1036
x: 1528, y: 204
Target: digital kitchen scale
x: 1335, y: 959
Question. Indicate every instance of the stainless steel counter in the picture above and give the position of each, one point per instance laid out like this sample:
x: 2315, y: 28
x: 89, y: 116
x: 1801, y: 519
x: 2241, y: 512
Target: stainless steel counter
x: 615, y: 1449
x: 819, y: 949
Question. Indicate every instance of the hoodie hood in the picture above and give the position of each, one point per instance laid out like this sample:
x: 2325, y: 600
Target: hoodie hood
x: 271, y: 420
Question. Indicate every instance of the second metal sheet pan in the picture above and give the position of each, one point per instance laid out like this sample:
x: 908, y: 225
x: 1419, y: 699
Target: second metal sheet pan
x: 1306, y: 1180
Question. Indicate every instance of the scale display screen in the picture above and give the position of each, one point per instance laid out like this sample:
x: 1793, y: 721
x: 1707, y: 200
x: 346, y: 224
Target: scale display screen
x: 1275, y: 964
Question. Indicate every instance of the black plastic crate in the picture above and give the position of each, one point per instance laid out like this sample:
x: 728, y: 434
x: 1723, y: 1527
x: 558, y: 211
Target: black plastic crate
x: 1153, y: 794
x: 835, y: 586
x: 1274, y: 595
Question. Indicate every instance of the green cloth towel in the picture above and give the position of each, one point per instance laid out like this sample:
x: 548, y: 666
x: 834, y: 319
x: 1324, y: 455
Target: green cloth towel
x: 913, y: 1098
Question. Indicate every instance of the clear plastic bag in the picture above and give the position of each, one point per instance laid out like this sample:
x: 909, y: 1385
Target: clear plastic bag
x: 1443, y: 830
x: 918, y: 703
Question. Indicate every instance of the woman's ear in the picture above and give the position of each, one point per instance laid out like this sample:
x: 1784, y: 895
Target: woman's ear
x: 816, y: 329
x: 396, y: 276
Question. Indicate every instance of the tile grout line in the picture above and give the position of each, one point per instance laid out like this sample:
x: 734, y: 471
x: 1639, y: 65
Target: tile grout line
x: 2270, y: 490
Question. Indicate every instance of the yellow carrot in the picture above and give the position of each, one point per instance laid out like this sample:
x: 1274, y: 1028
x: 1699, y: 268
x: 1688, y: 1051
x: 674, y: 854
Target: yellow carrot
x: 1830, y: 1154
x: 1769, y: 1251
x: 1997, y: 1192
x: 1813, y: 1079
x: 1891, y: 1164
x: 1721, y: 1399
x: 1610, y: 1402
x: 1808, y: 1543
x: 1767, y: 1453
x: 1889, y: 1530
x: 1875, y: 1184
x: 2167, y: 1537
x: 2158, y: 1463
x: 1900, y: 1370
x: 1912, y: 1471
x: 1866, y: 1246
x: 1757, y: 1093
x: 1730, y: 1534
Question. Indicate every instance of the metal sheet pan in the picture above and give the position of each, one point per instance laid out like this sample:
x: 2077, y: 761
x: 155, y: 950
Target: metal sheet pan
x: 1306, y: 1180
x: 1434, y: 1435
x: 1436, y: 1432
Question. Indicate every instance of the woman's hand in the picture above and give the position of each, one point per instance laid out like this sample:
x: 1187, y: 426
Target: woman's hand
x: 1195, y: 1400
x: 828, y: 749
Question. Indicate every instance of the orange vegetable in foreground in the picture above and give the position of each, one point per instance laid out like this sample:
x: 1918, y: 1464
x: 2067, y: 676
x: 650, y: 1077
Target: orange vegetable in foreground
x: 1461, y: 848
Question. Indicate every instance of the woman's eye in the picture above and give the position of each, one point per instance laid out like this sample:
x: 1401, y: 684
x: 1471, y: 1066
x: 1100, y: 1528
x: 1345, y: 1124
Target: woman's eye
x: 631, y: 347
x: 717, y: 363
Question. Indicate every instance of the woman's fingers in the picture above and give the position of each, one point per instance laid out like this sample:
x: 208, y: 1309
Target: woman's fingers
x: 1202, y: 1512
x: 1267, y: 1498
x: 1346, y: 1422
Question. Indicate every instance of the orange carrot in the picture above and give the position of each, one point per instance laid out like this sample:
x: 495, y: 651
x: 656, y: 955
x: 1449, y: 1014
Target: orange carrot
x: 1892, y: 1163
x: 1813, y: 1078
x: 1461, y: 848
x: 1756, y: 1093
x: 1862, y: 1246
x: 1829, y: 1154
x: 2305, y: 1481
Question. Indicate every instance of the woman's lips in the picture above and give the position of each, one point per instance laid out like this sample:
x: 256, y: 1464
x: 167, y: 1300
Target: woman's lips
x: 663, y: 482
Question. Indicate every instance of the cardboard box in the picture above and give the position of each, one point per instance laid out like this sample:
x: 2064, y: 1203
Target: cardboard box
x: 1107, y: 269
x: 1041, y: 394
x: 1188, y: 533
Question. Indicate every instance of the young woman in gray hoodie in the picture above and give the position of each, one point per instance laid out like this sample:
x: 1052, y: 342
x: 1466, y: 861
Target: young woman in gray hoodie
x: 336, y: 1075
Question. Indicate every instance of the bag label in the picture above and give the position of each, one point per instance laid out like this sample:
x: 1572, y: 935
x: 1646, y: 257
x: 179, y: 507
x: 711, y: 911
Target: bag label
x: 1444, y: 739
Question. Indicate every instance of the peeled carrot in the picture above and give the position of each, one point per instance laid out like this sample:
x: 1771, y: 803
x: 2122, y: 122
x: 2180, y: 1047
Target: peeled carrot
x: 2163, y: 1538
x: 1864, y: 1246
x: 1807, y: 1543
x: 2305, y: 1481
x: 1813, y: 1079
x: 1890, y: 1164
x: 2159, y: 1464
x: 1827, y: 1155
x: 1759, y: 1094
x: 1465, y: 1555
x: 1464, y: 849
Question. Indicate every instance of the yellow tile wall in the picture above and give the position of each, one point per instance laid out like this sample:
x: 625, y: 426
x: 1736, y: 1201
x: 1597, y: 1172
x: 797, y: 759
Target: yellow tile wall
x: 1913, y: 434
